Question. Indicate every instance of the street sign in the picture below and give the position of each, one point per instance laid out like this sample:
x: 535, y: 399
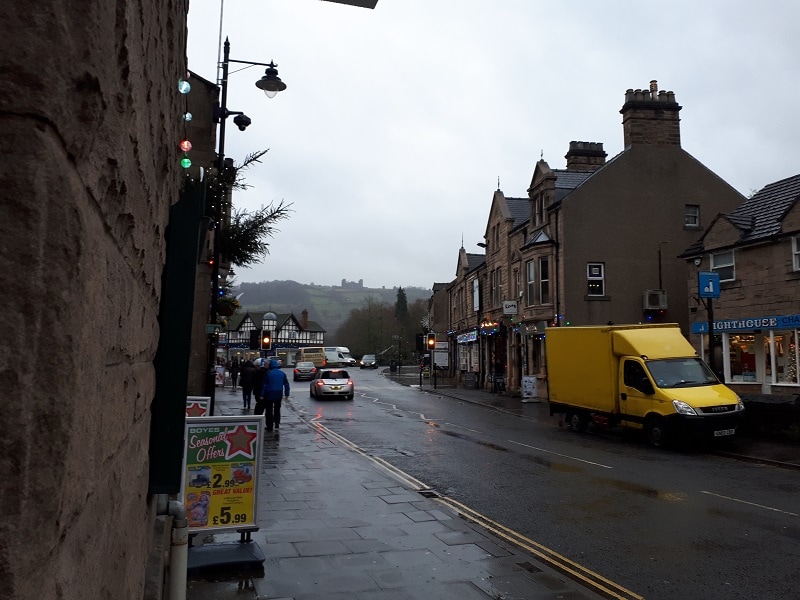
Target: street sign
x: 213, y: 327
x: 708, y: 284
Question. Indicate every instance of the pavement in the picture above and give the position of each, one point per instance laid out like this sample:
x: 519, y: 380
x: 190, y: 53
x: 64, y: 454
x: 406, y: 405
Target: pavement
x: 337, y: 524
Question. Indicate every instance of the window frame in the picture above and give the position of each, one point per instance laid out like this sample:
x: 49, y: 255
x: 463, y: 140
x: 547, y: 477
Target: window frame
x: 593, y: 279
x: 691, y: 212
x: 530, y: 285
x: 718, y: 268
x: 544, y: 280
x: 796, y: 252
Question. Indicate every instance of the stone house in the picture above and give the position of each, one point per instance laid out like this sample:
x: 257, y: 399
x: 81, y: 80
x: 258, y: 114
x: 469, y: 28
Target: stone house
x: 596, y: 242
x: 464, y: 318
x: 755, y: 251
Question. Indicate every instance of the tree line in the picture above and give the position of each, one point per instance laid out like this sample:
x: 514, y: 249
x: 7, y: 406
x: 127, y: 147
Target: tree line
x: 385, y: 329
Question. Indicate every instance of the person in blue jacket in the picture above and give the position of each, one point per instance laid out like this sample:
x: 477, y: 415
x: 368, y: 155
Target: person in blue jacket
x: 275, y: 386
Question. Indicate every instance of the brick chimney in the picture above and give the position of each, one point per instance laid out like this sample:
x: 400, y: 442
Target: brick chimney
x: 585, y: 156
x: 304, y: 319
x: 651, y: 117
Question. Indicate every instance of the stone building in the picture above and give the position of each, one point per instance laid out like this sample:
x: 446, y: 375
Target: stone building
x: 593, y: 243
x: 91, y: 121
x: 755, y: 251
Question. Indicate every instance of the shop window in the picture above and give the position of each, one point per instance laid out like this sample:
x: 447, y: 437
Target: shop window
x: 595, y: 274
x: 723, y: 264
x: 786, y: 357
x: 743, y: 357
x: 463, y: 357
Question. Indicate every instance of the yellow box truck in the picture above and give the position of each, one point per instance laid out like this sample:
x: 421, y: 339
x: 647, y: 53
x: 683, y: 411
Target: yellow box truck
x: 645, y: 377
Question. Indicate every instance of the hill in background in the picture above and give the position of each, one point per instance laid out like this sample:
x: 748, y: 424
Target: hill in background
x: 327, y: 305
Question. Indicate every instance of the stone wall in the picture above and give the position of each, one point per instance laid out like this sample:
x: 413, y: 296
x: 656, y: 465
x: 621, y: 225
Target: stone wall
x: 90, y: 121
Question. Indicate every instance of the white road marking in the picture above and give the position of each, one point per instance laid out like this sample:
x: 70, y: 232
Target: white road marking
x: 750, y: 503
x: 394, y: 407
x: 462, y: 427
x: 562, y: 455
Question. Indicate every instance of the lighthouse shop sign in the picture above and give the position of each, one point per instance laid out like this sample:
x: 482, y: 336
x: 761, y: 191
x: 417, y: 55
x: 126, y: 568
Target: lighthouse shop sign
x: 220, y: 475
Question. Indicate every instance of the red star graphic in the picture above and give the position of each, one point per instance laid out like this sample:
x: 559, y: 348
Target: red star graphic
x: 240, y: 441
x: 195, y: 409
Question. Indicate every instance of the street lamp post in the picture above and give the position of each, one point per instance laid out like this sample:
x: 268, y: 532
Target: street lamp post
x: 271, y: 84
x: 660, y: 280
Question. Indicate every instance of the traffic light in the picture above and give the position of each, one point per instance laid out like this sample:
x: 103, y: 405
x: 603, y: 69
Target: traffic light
x: 430, y: 341
x: 255, y: 339
x: 266, y: 340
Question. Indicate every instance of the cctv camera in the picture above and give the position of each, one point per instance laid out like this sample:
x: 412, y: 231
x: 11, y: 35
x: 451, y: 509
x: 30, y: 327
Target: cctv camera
x: 697, y: 261
x: 242, y: 122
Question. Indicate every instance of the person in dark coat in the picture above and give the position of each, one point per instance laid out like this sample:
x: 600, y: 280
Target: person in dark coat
x: 246, y: 381
x: 275, y: 387
x: 258, y: 382
x: 234, y: 370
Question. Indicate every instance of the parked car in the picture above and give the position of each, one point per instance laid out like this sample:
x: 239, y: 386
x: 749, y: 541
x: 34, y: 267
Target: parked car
x: 332, y: 383
x: 304, y: 370
x: 368, y: 361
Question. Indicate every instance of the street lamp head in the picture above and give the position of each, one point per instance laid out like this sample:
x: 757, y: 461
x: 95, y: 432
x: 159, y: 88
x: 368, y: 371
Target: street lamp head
x: 242, y: 121
x: 270, y: 83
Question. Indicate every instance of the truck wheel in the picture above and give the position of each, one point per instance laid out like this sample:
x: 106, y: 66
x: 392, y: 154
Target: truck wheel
x: 654, y: 430
x: 577, y: 422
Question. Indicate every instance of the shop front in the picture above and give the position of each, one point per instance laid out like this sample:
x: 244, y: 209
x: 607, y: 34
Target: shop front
x: 758, y: 355
x: 468, y: 359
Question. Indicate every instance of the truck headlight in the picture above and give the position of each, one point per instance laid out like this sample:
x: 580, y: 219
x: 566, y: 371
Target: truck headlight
x: 683, y: 409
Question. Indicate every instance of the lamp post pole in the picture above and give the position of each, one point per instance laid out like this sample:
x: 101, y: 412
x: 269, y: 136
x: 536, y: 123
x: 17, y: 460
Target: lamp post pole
x: 271, y: 84
x: 660, y: 280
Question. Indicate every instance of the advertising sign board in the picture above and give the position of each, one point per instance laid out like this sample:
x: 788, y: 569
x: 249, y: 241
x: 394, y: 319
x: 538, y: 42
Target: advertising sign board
x: 197, y: 406
x: 220, y: 473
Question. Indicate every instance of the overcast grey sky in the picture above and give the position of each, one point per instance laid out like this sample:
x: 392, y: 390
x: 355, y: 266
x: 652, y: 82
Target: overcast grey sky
x: 397, y: 122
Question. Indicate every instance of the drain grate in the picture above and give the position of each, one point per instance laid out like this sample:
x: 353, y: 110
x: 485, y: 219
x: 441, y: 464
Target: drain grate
x: 529, y: 567
x: 429, y: 493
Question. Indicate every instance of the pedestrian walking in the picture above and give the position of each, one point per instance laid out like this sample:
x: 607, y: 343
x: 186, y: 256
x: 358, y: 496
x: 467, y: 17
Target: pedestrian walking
x: 246, y: 378
x: 258, y: 382
x: 276, y: 385
x: 234, y: 370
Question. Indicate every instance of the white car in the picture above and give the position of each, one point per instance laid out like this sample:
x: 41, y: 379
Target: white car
x: 332, y: 383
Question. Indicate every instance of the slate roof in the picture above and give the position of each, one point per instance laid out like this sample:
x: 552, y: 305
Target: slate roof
x: 520, y: 209
x: 566, y: 181
x: 760, y: 216
x: 475, y: 260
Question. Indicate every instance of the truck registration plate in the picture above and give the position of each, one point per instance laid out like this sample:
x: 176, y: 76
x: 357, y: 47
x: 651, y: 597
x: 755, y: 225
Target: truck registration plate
x: 721, y: 432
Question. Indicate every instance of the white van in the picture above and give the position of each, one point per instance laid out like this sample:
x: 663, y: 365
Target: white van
x: 334, y: 358
x: 345, y: 352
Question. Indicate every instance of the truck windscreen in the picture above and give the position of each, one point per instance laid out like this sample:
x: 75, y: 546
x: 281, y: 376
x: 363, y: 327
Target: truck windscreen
x: 681, y: 372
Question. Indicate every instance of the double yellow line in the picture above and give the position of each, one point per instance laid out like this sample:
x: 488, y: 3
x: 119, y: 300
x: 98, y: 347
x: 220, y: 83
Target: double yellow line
x: 579, y: 573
